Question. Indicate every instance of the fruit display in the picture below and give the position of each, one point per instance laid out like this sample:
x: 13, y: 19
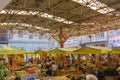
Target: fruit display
x: 36, y: 68
x: 30, y: 70
x: 2, y: 71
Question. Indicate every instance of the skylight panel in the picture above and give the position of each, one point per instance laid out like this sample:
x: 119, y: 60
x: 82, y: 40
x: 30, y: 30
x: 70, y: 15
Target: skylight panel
x: 68, y: 22
x: 59, y: 19
x: 87, y: 24
x: 95, y: 5
x: 46, y: 15
x: 106, y: 10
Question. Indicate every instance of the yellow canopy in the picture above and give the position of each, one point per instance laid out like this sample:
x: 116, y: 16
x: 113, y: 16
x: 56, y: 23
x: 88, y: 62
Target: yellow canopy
x: 57, y: 51
x: 29, y: 52
x: 42, y: 51
x: 83, y: 50
x: 63, y: 51
x: 10, y: 50
x: 115, y: 50
x: 92, y: 50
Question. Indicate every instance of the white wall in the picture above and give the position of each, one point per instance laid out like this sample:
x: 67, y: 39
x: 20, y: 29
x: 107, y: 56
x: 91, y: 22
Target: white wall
x: 26, y: 43
x: 72, y: 42
x: 94, y: 38
x: 30, y: 46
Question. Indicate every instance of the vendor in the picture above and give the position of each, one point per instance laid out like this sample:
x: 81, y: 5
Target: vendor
x: 29, y: 64
x: 11, y: 61
x: 54, y: 69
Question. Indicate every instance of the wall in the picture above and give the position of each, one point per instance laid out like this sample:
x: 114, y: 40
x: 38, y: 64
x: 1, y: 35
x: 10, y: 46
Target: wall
x: 114, y: 38
x: 24, y: 40
x: 72, y: 42
x: 94, y: 37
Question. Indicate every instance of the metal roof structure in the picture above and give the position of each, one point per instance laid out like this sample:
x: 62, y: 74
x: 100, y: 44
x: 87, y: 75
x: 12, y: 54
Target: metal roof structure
x: 74, y: 17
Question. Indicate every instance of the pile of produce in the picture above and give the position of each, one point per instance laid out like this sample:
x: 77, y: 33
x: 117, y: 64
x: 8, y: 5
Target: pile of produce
x: 81, y: 77
x: 30, y: 70
x: 21, y: 72
x: 110, y: 72
x: 2, y: 71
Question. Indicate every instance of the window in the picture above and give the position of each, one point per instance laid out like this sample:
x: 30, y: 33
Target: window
x: 74, y: 40
x: 20, y: 33
x: 100, y: 36
x: 118, y: 32
x: 30, y: 35
x: 40, y: 36
x: 3, y: 38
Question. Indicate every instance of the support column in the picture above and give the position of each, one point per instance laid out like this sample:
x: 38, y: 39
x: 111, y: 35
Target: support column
x: 62, y: 45
x: 60, y: 36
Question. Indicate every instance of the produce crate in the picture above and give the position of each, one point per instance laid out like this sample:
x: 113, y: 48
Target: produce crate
x: 61, y: 73
x: 112, y: 77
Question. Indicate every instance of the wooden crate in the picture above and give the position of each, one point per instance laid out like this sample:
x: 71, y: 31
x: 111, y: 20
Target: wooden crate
x: 112, y: 77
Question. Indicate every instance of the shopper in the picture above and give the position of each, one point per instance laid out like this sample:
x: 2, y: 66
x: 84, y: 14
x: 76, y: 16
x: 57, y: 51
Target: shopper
x: 91, y: 77
x: 49, y: 71
x: 29, y: 64
x: 54, y: 69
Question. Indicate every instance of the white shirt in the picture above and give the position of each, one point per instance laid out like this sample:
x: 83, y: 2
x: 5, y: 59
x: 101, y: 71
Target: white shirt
x: 39, y: 65
x: 54, y: 67
x: 29, y: 64
x: 91, y: 77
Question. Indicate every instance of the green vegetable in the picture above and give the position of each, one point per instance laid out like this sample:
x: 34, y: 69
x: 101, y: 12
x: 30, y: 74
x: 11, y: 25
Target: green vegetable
x: 110, y: 72
x: 81, y: 77
x: 73, y: 78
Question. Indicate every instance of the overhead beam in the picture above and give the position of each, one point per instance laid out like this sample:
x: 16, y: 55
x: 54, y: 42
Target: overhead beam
x: 57, y: 4
x: 110, y: 5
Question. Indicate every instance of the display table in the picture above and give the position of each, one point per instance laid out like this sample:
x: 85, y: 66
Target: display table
x: 11, y: 78
x: 61, y: 73
x: 26, y: 76
x: 117, y: 77
x: 53, y: 78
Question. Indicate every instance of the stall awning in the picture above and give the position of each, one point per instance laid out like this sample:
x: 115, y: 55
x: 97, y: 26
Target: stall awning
x: 92, y: 50
x: 115, y: 50
x: 57, y: 51
x: 10, y: 50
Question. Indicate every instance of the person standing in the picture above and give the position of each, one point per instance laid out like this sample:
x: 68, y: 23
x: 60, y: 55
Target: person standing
x: 54, y: 69
x: 91, y: 77
x: 49, y: 71
x: 65, y: 62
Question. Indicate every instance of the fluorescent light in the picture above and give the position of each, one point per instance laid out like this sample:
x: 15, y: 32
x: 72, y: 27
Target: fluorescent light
x: 106, y: 10
x: 87, y: 24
